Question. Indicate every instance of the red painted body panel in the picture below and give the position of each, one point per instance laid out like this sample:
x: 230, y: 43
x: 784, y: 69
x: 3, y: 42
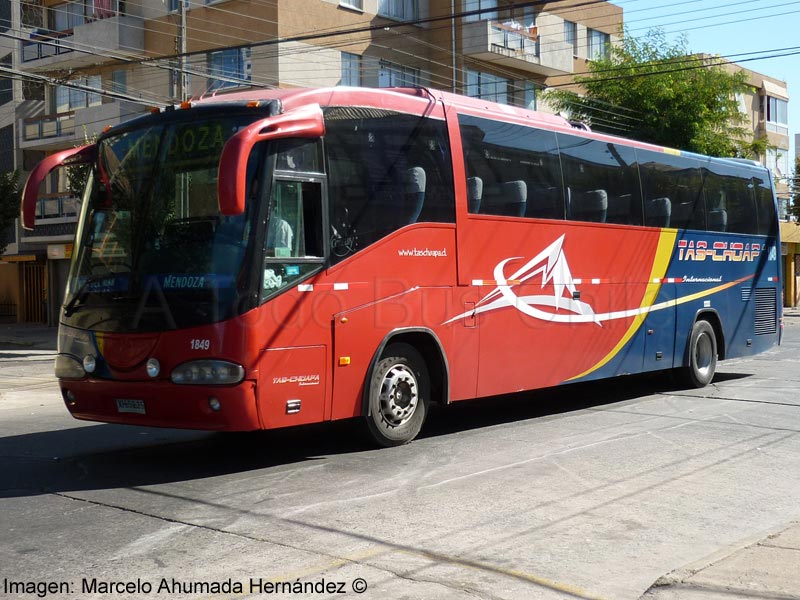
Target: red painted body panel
x: 618, y: 259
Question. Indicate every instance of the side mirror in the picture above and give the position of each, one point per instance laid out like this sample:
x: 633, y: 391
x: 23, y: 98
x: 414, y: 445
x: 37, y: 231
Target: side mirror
x: 30, y: 193
x: 304, y: 122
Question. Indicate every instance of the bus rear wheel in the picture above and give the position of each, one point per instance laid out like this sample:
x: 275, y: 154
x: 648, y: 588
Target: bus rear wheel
x: 702, y: 359
x: 398, y: 396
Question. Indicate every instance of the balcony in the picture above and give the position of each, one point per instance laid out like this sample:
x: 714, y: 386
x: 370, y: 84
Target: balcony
x: 104, y: 39
x: 62, y: 130
x: 57, y: 208
x: 516, y: 48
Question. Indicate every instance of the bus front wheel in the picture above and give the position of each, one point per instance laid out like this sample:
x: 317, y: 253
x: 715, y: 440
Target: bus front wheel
x: 702, y: 363
x: 398, y: 396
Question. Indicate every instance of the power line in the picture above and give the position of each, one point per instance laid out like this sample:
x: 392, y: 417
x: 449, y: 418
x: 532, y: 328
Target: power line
x: 337, y: 33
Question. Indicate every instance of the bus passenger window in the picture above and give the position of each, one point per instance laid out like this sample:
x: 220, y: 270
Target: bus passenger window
x: 386, y: 170
x: 602, y: 181
x: 673, y: 190
x: 730, y: 199
x: 765, y: 205
x: 512, y: 170
x: 658, y: 212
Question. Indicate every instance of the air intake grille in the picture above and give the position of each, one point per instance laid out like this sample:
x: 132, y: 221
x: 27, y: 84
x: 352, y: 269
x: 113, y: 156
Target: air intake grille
x: 766, y: 311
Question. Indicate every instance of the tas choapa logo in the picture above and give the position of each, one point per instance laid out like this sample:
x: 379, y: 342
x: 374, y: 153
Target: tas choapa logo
x: 301, y: 380
x: 702, y: 250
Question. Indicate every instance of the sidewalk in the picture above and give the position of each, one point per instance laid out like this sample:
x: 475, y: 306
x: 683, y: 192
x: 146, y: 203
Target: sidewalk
x: 767, y: 568
x: 18, y: 336
x: 791, y: 316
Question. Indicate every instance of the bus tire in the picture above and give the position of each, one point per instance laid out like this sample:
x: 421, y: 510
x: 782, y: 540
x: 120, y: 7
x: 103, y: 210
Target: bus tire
x: 399, y: 390
x: 702, y: 356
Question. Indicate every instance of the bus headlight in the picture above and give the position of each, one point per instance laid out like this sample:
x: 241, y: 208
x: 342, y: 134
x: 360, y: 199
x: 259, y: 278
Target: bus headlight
x: 68, y: 367
x: 208, y: 372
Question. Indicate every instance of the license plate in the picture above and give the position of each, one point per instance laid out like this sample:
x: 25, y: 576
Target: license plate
x: 126, y: 405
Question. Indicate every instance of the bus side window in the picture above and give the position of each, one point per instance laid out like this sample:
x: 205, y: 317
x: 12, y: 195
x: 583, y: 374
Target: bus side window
x: 765, y: 205
x: 673, y: 190
x: 512, y: 170
x: 730, y: 199
x: 385, y: 170
x: 602, y: 181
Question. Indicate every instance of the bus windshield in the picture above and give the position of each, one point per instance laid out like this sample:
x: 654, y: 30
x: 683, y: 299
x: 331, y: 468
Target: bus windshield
x: 152, y: 250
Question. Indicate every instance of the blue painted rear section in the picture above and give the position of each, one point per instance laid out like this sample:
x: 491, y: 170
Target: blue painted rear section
x: 747, y: 314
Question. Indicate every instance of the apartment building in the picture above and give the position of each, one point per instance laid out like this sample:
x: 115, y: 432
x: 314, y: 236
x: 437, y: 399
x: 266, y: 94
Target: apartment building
x: 765, y: 104
x: 99, y: 62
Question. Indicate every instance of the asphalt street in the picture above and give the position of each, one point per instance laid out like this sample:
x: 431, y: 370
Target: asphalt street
x: 586, y: 491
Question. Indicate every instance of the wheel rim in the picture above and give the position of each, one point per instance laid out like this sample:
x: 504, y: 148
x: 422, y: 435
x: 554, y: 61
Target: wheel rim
x: 704, y: 355
x: 399, y: 395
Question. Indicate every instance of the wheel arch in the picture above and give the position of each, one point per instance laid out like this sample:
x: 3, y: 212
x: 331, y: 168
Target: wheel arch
x: 427, y: 343
x: 712, y: 317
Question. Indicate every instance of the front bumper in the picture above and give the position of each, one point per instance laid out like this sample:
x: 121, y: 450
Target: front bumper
x: 163, y: 404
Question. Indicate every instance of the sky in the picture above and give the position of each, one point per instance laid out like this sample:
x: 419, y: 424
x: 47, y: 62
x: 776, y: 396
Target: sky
x: 742, y: 31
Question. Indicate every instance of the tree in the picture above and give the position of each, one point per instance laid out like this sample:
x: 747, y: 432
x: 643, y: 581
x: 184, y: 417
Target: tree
x: 9, y: 204
x: 648, y: 90
x: 794, y: 191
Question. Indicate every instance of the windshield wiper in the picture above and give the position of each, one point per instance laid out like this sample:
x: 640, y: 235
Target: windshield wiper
x: 72, y: 306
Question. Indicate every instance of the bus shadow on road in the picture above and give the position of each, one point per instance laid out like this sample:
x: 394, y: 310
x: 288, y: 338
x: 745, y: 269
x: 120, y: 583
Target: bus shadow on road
x: 551, y: 402
x: 105, y: 456
x: 548, y: 402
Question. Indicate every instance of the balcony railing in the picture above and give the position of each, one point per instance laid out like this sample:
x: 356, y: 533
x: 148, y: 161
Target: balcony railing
x: 86, y: 43
x: 523, y: 40
x: 55, y: 206
x: 512, y: 45
x: 43, y: 45
x: 49, y: 126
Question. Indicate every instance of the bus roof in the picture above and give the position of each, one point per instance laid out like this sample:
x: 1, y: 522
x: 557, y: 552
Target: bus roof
x: 431, y: 102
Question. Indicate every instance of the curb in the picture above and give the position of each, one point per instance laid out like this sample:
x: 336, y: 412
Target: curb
x: 682, y: 575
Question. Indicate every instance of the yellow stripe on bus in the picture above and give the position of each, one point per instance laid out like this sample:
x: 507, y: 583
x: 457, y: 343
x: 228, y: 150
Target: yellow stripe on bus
x: 664, y: 251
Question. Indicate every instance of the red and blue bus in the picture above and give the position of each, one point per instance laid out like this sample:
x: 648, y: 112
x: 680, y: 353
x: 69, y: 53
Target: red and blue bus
x: 269, y: 259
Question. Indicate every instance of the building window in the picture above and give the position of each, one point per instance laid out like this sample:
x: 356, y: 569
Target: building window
x: 487, y: 86
x: 6, y: 87
x: 357, y: 4
x: 571, y: 36
x: 5, y: 16
x: 229, y: 68
x: 488, y: 10
x: 65, y: 17
x: 394, y: 75
x: 32, y: 90
x: 31, y: 13
x: 778, y: 161
x: 777, y: 114
x: 351, y: 69
x: 71, y: 98
x: 119, y: 81
x: 528, y: 95
x: 403, y: 10
x: 598, y: 43
x: 6, y: 141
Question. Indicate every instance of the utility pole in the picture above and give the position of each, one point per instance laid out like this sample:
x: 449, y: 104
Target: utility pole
x: 183, y: 77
